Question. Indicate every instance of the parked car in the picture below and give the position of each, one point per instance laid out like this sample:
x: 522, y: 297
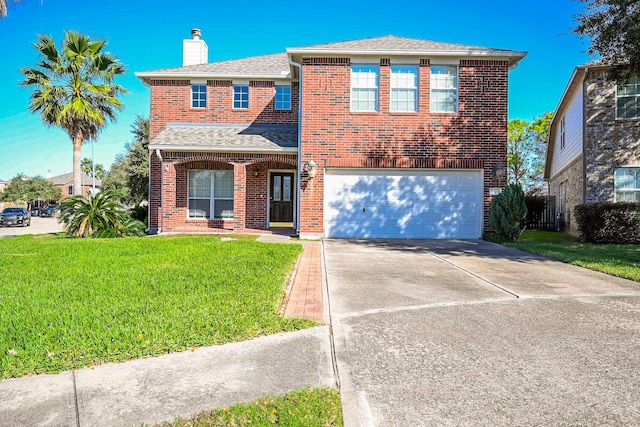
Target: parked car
x: 15, y: 216
x: 49, y: 211
x: 35, y: 212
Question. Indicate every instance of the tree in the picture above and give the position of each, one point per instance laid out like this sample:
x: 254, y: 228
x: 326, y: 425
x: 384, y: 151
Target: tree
x: 88, y: 168
x: 526, y: 147
x: 99, y: 215
x: 130, y: 172
x: 26, y: 190
x: 508, y: 209
x: 613, y: 27
x: 73, y: 88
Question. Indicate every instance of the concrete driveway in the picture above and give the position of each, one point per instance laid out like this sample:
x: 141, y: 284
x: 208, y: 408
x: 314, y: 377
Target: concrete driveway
x: 436, y: 333
x: 39, y: 225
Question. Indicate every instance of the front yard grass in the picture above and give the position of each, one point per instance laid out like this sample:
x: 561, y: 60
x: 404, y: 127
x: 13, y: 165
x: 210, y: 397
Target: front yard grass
x: 318, y: 407
x: 69, y: 303
x: 617, y: 260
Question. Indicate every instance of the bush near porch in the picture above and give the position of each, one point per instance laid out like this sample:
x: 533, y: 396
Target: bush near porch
x: 69, y: 303
x: 609, y: 222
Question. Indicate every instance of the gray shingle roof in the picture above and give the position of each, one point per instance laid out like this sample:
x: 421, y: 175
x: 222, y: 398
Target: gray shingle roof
x: 268, y: 66
x: 68, y: 177
x: 392, y: 43
x: 211, y: 137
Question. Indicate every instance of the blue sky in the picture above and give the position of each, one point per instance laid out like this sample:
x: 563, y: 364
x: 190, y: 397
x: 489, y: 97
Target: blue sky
x: 147, y: 35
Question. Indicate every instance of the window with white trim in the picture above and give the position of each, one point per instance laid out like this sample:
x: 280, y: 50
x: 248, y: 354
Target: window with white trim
x: 562, y: 201
x: 364, y: 88
x: 444, y: 88
x: 210, y: 194
x: 404, y: 88
x: 628, y: 99
x: 627, y: 185
x: 198, y: 96
x: 241, y: 97
x: 283, y: 98
x: 563, y: 132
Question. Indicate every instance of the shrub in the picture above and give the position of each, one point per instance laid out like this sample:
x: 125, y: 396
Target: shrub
x: 609, y: 222
x: 508, y: 210
x: 99, y: 215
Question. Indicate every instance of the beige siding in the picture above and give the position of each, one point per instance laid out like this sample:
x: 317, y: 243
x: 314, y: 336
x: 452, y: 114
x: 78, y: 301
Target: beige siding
x: 574, y: 130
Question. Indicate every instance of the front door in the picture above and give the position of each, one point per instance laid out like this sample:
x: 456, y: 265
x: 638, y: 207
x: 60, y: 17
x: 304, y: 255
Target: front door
x: 281, y: 199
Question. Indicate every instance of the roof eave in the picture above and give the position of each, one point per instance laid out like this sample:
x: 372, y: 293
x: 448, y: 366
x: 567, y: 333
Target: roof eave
x: 152, y: 75
x: 183, y: 148
x: 512, y: 56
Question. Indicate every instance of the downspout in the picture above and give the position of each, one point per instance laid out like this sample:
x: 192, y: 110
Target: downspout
x: 160, y: 207
x: 299, y: 66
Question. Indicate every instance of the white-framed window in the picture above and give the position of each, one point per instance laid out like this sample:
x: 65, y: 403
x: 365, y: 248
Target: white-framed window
x: 364, y: 87
x: 627, y: 185
x: 70, y: 190
x: 283, y: 98
x: 198, y: 96
x: 210, y: 194
x: 444, y: 88
x: 241, y: 97
x: 563, y: 133
x: 628, y: 99
x: 404, y: 88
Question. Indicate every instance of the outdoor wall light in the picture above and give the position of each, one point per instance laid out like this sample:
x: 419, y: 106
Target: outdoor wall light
x: 311, y: 168
x: 499, y: 170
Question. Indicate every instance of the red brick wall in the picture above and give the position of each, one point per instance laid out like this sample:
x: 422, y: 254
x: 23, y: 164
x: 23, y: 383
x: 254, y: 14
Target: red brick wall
x: 171, y: 103
x: 250, y: 175
x: 332, y: 135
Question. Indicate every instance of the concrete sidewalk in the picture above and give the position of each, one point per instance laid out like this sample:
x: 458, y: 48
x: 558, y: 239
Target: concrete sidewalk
x: 182, y: 384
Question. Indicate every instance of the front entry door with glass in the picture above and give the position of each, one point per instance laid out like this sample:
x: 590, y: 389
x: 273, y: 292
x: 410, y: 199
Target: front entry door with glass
x: 281, y: 200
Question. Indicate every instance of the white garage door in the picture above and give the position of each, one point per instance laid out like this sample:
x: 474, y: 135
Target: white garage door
x: 430, y: 204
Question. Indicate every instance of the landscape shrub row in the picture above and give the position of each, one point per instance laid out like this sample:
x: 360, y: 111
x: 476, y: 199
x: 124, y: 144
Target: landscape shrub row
x: 609, y: 222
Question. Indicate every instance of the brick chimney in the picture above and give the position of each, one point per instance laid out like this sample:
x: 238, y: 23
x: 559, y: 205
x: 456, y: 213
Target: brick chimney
x: 194, y: 51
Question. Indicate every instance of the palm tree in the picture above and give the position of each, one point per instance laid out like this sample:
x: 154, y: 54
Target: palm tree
x: 73, y: 88
x: 98, y: 215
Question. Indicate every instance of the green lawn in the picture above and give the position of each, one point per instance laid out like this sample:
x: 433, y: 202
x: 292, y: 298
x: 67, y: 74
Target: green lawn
x: 68, y: 303
x: 617, y: 260
x: 309, y: 408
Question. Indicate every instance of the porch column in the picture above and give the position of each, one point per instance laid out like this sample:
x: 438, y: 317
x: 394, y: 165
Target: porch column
x: 239, y: 196
x: 155, y: 193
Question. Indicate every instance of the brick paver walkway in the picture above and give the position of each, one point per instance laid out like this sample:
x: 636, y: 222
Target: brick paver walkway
x: 305, y: 298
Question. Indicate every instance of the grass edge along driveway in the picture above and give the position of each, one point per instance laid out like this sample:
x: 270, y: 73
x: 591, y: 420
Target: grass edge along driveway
x: 614, y: 259
x: 70, y: 303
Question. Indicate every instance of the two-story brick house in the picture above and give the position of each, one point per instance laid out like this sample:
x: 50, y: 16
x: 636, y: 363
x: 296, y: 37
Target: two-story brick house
x: 593, y: 153
x: 382, y: 137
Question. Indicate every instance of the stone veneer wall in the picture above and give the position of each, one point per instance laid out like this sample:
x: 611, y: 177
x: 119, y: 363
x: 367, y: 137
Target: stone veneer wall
x: 610, y: 143
x: 574, y: 177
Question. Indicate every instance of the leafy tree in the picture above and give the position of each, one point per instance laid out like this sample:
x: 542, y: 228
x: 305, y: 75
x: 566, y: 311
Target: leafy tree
x: 88, y: 168
x: 526, y: 147
x: 130, y: 171
x: 508, y: 209
x: 99, y: 215
x: 73, y: 88
x: 613, y: 27
x: 27, y: 190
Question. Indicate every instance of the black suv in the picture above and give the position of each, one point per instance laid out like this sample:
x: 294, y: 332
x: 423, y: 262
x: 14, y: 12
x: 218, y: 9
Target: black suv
x: 15, y: 216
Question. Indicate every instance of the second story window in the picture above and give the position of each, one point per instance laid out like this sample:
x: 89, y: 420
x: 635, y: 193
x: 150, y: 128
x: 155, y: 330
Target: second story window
x: 563, y: 133
x: 198, y: 96
x: 628, y: 99
x: 364, y: 88
x: 283, y: 98
x: 444, y: 88
x: 404, y: 88
x: 241, y: 97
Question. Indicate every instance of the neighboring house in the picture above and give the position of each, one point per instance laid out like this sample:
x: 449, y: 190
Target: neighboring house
x: 65, y: 183
x: 594, y: 143
x: 381, y: 137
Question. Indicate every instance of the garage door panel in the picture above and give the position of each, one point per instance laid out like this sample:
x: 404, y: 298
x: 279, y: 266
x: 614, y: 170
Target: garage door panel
x: 412, y: 204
